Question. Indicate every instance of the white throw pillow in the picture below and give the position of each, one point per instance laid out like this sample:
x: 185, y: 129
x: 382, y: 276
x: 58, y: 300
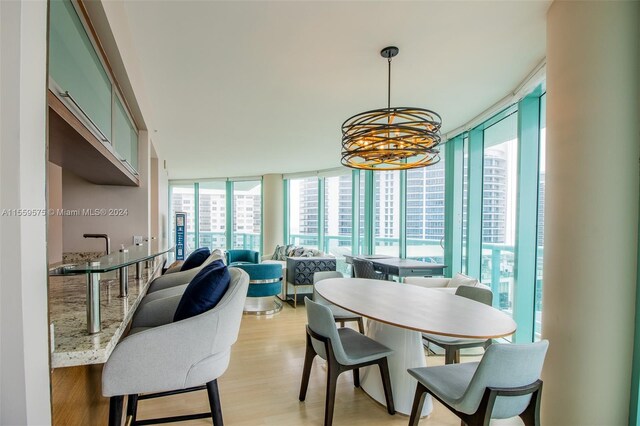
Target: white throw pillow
x: 461, y: 279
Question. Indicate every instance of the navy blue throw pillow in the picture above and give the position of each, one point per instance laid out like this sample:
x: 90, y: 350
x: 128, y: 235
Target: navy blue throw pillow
x: 196, y: 258
x: 204, y: 291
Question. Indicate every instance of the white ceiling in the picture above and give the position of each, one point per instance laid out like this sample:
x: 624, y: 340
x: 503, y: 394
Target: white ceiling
x: 248, y: 88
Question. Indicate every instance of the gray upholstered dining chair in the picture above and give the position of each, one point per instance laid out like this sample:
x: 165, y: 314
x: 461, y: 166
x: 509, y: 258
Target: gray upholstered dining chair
x: 181, y: 278
x: 452, y: 345
x: 505, y: 383
x: 340, y: 315
x: 344, y: 349
x: 363, y: 268
x: 161, y: 357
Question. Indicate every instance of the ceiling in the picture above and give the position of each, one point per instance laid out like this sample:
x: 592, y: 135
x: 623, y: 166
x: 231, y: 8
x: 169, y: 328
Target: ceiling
x: 249, y: 88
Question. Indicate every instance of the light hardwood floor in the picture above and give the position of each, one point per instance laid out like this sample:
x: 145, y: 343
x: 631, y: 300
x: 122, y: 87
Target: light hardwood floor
x: 263, y: 380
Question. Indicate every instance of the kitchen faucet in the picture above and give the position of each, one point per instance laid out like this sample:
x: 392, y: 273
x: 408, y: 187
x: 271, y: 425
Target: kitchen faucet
x: 106, y: 239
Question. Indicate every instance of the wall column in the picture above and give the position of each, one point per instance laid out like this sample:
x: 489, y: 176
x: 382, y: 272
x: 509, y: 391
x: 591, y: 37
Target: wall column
x: 591, y: 215
x: 24, y: 346
x: 272, y: 212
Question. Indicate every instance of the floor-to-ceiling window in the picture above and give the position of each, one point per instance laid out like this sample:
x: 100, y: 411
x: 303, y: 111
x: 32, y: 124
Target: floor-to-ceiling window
x: 247, y: 214
x: 221, y: 214
x: 425, y: 212
x: 465, y: 202
x: 500, y: 180
x: 303, y: 212
x: 386, y: 217
x: 540, y: 236
x: 338, y: 221
x: 362, y: 214
x: 182, y: 199
x: 212, y: 213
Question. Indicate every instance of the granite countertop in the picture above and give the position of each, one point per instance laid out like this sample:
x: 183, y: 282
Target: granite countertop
x: 72, y: 345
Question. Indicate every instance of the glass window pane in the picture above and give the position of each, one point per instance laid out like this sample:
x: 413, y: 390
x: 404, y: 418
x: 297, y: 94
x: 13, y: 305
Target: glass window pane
x: 500, y: 172
x: 75, y: 67
x: 247, y: 214
x: 465, y: 202
x: 386, y: 202
x: 303, y: 212
x: 361, y: 215
x: 425, y: 212
x: 338, y: 224
x: 212, y: 219
x: 183, y: 200
x: 537, y: 326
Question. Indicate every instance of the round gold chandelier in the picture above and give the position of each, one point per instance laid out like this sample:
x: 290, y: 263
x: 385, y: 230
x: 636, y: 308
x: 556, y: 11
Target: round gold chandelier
x: 391, y: 138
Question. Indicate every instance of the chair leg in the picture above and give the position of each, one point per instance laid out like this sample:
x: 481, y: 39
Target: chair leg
x: 341, y: 323
x: 361, y: 325
x: 132, y: 407
x: 295, y: 297
x: 418, y: 403
x: 309, y: 355
x: 386, y: 384
x: 456, y: 356
x: 332, y: 381
x: 449, y: 356
x: 115, y: 410
x: 214, y: 402
x: 531, y: 415
x: 356, y: 377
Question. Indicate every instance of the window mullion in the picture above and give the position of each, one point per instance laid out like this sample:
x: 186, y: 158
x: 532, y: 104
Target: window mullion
x: 526, y: 218
x: 454, y: 174
x: 474, y: 206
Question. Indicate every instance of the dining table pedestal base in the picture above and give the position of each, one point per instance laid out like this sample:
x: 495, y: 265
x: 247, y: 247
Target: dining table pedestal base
x: 408, y: 353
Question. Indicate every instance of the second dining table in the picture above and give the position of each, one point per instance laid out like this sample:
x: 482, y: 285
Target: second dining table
x: 398, y: 314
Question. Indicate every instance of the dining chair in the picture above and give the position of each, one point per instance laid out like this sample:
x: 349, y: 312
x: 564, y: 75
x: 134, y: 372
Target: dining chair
x: 363, y: 268
x: 340, y: 315
x: 452, y: 345
x: 344, y: 349
x: 505, y: 383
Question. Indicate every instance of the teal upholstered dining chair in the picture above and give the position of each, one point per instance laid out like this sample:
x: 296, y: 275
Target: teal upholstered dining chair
x: 265, y: 281
x: 505, y: 383
x: 344, y: 349
x: 340, y: 315
x: 452, y: 345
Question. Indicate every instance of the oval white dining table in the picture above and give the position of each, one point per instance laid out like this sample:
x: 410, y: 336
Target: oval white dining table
x: 400, y: 313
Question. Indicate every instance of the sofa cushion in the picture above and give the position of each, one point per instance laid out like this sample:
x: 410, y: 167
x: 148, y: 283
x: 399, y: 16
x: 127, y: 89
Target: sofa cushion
x: 280, y: 253
x: 295, y: 251
x: 461, y: 279
x: 196, y: 258
x: 204, y: 291
x: 310, y: 253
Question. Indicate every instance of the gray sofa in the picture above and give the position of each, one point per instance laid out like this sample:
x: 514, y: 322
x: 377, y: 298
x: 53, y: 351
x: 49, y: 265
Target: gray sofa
x: 298, y: 272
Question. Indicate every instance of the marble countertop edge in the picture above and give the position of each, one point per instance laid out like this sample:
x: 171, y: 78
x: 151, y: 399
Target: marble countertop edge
x: 100, y: 355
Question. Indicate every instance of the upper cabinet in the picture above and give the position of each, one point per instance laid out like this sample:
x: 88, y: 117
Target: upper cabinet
x: 87, y: 103
x: 125, y: 136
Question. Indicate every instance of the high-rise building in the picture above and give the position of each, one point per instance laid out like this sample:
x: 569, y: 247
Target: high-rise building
x: 212, y: 215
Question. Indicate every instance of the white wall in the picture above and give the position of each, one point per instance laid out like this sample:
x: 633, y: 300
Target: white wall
x: 159, y: 202
x: 591, y: 211
x: 54, y: 224
x: 78, y: 193
x: 24, y: 348
x: 163, y: 205
x: 272, y: 212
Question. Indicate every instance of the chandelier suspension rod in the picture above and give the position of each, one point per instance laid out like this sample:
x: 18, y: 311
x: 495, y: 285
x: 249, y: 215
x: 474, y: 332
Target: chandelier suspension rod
x: 389, y: 86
